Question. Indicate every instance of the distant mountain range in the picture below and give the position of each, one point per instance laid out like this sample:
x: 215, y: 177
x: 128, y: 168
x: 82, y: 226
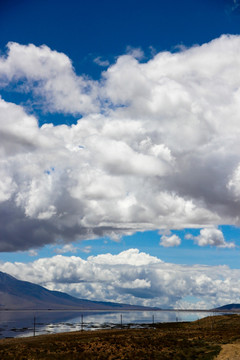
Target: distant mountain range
x: 22, y: 295
x: 229, y: 307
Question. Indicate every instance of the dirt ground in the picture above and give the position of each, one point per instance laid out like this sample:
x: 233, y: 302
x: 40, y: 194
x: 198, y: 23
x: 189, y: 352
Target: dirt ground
x: 212, y: 338
x: 229, y: 352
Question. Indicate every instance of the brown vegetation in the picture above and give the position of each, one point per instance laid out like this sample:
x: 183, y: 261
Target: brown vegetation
x: 199, y: 340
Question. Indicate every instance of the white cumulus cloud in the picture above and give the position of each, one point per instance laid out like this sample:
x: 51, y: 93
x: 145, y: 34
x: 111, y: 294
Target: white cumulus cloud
x: 133, y: 277
x: 212, y: 237
x: 49, y: 74
x: 152, y: 150
x: 66, y: 249
x: 170, y: 241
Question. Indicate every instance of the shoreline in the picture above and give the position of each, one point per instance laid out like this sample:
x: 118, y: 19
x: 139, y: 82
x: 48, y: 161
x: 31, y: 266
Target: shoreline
x: 120, y: 310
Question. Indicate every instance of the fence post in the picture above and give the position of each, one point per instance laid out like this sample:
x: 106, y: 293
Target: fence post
x: 34, y: 326
x: 82, y: 323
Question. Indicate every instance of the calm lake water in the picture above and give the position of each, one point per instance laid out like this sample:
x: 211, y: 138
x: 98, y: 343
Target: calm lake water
x: 24, y: 323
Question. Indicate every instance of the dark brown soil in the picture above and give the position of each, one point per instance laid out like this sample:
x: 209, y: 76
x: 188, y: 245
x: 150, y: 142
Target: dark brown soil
x: 199, y: 340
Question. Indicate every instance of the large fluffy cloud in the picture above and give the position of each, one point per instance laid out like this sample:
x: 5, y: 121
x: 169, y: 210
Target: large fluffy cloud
x: 49, y: 74
x: 133, y: 277
x: 212, y: 237
x: 157, y: 145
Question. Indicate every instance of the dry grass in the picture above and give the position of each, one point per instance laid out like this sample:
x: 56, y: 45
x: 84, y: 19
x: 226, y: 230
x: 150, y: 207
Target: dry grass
x: 199, y: 340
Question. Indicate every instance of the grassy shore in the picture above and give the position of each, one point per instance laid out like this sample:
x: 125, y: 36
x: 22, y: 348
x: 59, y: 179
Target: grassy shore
x: 198, y: 340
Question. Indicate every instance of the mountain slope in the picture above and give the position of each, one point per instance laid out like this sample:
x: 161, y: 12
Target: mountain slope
x: 229, y: 307
x: 17, y: 294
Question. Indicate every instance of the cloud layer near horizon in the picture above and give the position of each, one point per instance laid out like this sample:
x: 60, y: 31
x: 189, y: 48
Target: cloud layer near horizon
x: 133, y: 277
x: 157, y: 146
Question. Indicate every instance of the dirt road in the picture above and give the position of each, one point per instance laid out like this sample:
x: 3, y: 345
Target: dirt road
x: 229, y: 352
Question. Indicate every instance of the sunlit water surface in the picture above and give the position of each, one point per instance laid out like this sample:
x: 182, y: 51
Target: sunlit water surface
x: 28, y: 323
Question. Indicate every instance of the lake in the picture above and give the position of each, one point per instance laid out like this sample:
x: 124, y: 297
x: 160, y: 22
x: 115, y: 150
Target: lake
x: 26, y: 323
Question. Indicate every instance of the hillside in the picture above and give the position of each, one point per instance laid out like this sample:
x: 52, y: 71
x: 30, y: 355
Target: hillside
x: 228, y: 307
x: 17, y: 294
x: 199, y: 340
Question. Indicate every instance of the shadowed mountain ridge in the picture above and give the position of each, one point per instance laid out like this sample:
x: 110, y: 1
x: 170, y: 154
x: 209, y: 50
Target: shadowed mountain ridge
x: 18, y: 294
x: 228, y: 307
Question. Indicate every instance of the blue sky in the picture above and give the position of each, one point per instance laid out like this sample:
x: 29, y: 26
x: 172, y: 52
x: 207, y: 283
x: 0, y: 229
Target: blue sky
x: 85, y: 30
x: 148, y: 242
x: 119, y: 125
